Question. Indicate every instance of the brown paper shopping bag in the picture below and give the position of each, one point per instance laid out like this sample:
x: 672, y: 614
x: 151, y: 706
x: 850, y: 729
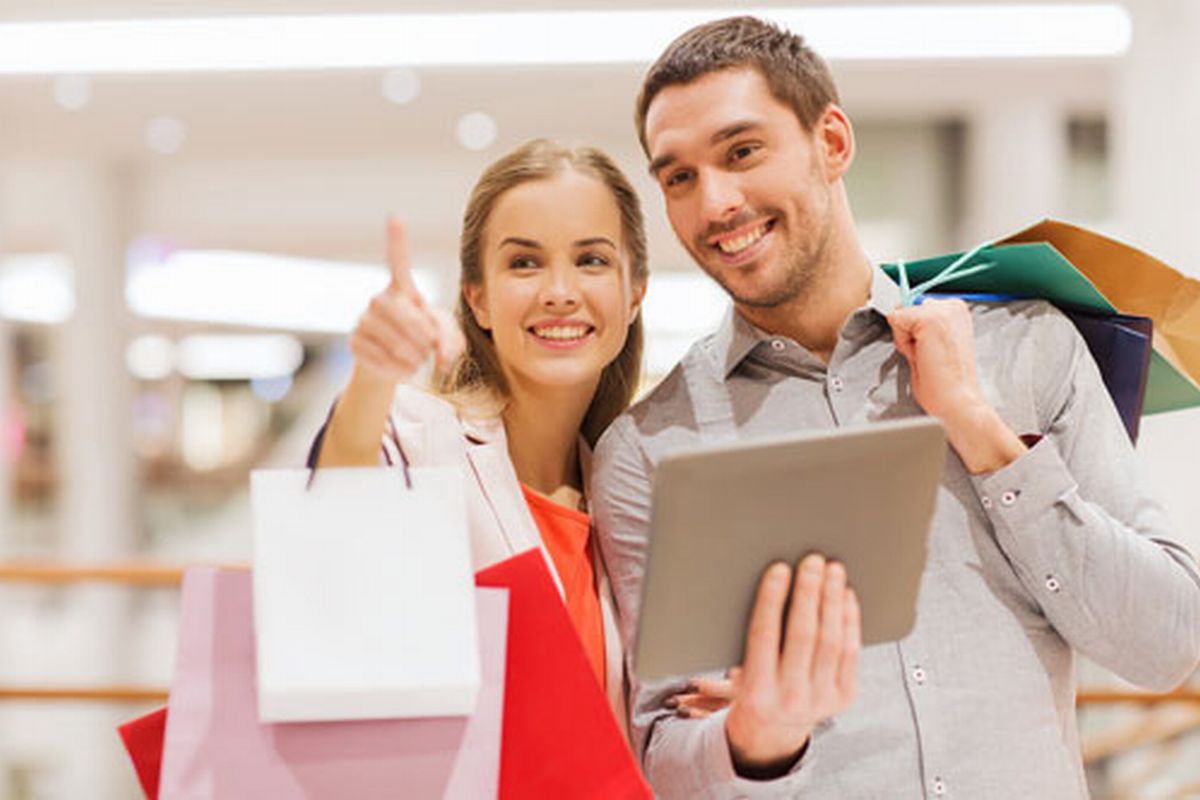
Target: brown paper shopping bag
x: 1137, y: 283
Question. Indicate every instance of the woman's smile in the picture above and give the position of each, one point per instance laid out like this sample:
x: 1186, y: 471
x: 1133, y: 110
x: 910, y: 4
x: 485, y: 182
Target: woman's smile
x: 562, y: 334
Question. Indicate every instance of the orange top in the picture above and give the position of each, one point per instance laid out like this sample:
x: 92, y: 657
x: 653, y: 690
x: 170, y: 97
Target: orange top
x: 567, y: 535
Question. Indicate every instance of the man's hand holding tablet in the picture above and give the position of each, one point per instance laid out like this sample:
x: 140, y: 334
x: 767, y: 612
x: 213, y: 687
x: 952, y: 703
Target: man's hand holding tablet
x: 796, y: 673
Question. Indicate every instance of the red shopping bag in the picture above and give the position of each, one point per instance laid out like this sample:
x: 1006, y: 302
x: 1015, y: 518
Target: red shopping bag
x: 143, y: 738
x: 559, y: 735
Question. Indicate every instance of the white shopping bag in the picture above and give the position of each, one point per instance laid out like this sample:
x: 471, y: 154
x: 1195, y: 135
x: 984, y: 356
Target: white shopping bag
x: 364, y: 600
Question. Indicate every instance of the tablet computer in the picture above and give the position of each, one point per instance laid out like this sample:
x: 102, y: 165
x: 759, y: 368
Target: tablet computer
x: 863, y: 496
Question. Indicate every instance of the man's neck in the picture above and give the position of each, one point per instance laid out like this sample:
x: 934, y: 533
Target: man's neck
x: 815, y: 317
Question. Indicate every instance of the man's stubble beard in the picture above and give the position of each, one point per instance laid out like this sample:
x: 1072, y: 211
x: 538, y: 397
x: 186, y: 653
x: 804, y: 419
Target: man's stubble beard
x: 802, y: 269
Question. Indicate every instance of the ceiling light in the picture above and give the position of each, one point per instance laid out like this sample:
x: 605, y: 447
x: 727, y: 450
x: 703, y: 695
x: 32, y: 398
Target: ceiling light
x: 165, y: 135
x: 551, y: 37
x: 256, y: 289
x: 476, y: 130
x: 234, y: 356
x: 72, y: 92
x: 401, y: 85
x: 37, y: 287
x: 150, y: 357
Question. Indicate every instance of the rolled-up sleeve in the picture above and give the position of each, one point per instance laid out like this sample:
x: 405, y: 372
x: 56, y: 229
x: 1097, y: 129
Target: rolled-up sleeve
x: 1073, y: 516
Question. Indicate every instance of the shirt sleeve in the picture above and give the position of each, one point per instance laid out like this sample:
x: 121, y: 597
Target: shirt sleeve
x: 682, y: 758
x: 1088, y: 543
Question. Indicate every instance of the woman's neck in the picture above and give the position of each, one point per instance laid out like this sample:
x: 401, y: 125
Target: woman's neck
x: 542, y: 426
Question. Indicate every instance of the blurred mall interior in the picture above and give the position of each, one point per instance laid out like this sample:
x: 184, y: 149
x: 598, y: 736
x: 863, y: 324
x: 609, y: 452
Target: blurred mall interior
x: 182, y: 253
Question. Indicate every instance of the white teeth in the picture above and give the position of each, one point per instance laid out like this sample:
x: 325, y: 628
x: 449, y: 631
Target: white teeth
x: 731, y: 246
x: 562, y: 333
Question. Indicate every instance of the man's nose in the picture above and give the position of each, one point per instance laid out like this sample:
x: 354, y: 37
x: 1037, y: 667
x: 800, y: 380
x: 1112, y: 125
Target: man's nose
x: 721, y: 196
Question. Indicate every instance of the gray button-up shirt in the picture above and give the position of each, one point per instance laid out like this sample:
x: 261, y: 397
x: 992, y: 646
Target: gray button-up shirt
x: 1058, y: 552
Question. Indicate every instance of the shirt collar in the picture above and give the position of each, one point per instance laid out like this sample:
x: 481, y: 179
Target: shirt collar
x: 737, y: 336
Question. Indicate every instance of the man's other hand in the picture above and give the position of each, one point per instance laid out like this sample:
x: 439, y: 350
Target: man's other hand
x: 937, y: 338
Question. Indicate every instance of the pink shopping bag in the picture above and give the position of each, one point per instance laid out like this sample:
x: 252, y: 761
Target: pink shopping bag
x: 216, y: 748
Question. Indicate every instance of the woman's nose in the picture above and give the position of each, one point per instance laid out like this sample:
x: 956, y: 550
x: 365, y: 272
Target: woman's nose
x: 560, y: 290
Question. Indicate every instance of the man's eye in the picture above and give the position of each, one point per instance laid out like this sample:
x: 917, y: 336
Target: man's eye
x: 742, y: 151
x: 678, y: 177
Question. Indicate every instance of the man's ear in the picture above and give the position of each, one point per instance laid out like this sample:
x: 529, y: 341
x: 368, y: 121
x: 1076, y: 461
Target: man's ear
x: 474, y: 294
x: 835, y: 137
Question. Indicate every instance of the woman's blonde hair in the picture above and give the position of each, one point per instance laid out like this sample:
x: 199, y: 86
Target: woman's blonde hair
x: 476, y: 382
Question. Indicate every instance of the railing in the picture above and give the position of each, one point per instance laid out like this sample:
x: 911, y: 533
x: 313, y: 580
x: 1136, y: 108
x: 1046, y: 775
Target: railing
x: 1154, y: 728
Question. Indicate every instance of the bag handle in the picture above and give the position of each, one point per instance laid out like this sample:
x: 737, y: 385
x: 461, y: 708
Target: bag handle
x: 314, y: 452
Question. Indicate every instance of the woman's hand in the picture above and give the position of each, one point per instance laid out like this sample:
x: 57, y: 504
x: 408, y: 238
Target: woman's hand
x: 702, y: 698
x: 398, y: 332
x: 393, y: 338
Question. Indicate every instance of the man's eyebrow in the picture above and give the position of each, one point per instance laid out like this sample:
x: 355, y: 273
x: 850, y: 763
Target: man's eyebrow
x: 661, y: 163
x: 519, y: 242
x: 734, y: 129
x: 728, y: 132
x: 593, y: 240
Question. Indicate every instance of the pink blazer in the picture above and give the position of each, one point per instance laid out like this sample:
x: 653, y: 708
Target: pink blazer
x: 500, y: 524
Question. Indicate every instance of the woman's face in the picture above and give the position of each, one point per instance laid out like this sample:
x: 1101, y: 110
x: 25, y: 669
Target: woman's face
x: 556, y: 294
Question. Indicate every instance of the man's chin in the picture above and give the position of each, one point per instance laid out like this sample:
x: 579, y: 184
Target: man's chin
x: 751, y: 291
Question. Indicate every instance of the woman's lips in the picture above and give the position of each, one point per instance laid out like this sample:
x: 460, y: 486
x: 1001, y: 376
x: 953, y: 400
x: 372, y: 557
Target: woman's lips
x: 561, y: 336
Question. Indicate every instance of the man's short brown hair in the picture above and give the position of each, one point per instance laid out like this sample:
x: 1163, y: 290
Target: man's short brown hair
x: 796, y: 75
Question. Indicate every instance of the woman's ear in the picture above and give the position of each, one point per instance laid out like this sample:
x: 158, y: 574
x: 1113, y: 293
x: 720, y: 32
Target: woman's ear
x: 474, y: 294
x: 636, y: 296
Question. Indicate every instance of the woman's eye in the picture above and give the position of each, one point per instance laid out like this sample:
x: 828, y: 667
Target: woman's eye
x: 523, y: 262
x: 593, y: 260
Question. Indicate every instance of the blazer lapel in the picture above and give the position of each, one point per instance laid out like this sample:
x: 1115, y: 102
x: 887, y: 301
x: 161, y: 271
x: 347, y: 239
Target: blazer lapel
x: 498, y: 481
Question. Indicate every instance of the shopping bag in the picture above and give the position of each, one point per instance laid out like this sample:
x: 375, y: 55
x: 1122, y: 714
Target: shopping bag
x: 1025, y: 268
x: 363, y: 598
x: 1137, y: 283
x: 215, y: 747
x: 560, y: 736
x: 143, y: 740
x: 1121, y: 347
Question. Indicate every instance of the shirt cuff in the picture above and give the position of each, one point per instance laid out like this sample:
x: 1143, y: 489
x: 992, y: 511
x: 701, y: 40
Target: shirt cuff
x: 1024, y: 490
x: 720, y: 763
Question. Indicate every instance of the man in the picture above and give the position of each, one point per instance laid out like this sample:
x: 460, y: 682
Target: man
x: 1043, y: 543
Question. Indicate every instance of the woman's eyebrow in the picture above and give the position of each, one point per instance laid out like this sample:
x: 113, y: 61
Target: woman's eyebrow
x: 593, y: 240
x: 519, y: 242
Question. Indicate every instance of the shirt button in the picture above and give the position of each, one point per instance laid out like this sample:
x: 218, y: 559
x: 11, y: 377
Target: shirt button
x: 1008, y: 498
x: 1052, y: 583
x: 939, y: 787
x: 919, y: 675
x: 778, y: 344
x: 987, y: 502
x: 837, y: 383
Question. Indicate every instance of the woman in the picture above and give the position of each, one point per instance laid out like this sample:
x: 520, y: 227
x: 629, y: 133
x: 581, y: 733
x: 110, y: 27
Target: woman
x: 553, y: 258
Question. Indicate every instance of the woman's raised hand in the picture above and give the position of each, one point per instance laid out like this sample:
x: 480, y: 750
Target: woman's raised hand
x: 398, y: 332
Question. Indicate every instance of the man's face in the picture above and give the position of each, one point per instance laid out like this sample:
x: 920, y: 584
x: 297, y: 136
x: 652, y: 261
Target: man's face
x: 747, y: 189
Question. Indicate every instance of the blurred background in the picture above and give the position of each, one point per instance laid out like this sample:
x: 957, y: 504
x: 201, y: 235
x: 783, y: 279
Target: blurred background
x: 192, y: 219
